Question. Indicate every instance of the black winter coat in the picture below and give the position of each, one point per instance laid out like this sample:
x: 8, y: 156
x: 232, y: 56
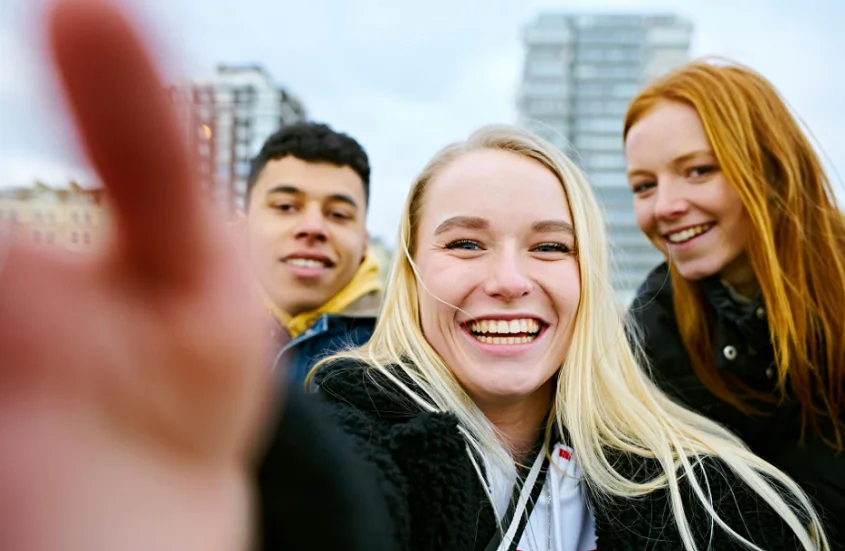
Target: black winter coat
x: 314, y: 492
x: 743, y: 348
x: 435, y: 500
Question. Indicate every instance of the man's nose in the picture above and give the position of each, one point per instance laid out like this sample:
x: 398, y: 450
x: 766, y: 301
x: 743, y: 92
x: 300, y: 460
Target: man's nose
x: 312, y: 224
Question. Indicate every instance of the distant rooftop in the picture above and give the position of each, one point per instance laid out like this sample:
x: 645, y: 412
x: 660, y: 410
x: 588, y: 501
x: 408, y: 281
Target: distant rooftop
x: 39, y: 188
x: 593, y: 18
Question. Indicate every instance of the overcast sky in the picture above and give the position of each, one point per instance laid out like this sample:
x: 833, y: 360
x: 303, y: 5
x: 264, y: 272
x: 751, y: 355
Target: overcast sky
x: 403, y: 77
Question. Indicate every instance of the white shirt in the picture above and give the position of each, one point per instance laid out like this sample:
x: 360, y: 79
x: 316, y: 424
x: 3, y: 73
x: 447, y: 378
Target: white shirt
x: 573, y: 525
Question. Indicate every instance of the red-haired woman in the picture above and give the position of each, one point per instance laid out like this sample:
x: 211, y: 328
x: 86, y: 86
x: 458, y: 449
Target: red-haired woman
x: 745, y: 321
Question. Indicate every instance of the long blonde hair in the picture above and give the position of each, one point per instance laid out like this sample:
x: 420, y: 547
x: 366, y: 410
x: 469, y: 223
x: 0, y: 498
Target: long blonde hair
x: 796, y: 242
x: 607, y: 401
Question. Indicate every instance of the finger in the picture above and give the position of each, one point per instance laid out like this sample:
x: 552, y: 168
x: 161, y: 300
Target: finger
x: 131, y: 135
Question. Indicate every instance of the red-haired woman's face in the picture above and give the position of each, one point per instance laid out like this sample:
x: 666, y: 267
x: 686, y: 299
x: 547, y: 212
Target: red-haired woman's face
x: 682, y: 201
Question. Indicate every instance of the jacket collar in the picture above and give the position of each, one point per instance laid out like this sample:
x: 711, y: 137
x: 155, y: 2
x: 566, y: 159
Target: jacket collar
x: 726, y: 301
x: 368, y: 390
x: 365, y: 307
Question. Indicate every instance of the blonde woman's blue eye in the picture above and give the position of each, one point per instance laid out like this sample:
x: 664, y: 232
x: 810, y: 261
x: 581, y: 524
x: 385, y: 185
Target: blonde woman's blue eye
x: 552, y: 248
x: 464, y: 245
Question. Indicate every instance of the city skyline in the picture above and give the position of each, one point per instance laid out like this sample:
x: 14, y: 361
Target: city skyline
x: 228, y: 116
x: 405, y: 80
x: 580, y: 74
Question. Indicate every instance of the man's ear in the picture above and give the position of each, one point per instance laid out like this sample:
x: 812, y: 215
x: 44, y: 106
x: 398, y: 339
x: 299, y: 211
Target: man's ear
x: 366, y: 245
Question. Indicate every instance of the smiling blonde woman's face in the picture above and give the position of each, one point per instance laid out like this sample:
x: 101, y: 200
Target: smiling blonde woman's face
x: 499, y: 279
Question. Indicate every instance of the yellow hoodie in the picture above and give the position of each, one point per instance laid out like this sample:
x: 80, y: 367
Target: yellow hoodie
x: 364, y: 281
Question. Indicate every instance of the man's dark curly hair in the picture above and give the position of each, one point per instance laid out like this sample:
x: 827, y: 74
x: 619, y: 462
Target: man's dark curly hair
x: 315, y: 143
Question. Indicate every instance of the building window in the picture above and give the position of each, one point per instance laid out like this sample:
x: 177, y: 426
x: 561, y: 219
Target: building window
x: 625, y: 90
x: 36, y: 236
x: 616, y: 107
x: 599, y: 142
x: 37, y: 215
x: 544, y: 53
x: 590, y: 108
x: 540, y: 88
x: 599, y: 124
x: 242, y: 151
x: 51, y: 237
x: 623, y: 71
x: 87, y: 217
x: 547, y: 68
x: 74, y: 237
x: 604, y: 161
x: 631, y: 54
x: 621, y: 217
x: 586, y: 70
x: 669, y: 36
x: 74, y: 216
x: 547, y: 106
x: 87, y: 237
x: 590, y: 71
x: 604, y: 179
x: 559, y: 35
x: 619, y: 198
x: 590, y: 54
x: 243, y: 168
x: 611, y: 35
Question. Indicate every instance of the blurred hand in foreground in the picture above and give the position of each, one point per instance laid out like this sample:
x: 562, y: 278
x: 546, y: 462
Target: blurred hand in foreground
x: 133, y: 382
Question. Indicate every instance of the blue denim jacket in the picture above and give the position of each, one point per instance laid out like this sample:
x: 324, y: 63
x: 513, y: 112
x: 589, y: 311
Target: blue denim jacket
x: 329, y: 334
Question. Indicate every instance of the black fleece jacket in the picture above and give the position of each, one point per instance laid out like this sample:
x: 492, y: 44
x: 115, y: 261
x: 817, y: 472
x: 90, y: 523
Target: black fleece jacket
x: 408, y: 484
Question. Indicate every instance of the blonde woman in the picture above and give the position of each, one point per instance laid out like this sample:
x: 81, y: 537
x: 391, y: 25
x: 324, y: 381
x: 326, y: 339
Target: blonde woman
x: 499, y: 399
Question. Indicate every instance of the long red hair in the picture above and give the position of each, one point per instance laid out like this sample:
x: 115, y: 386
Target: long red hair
x: 796, y: 246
